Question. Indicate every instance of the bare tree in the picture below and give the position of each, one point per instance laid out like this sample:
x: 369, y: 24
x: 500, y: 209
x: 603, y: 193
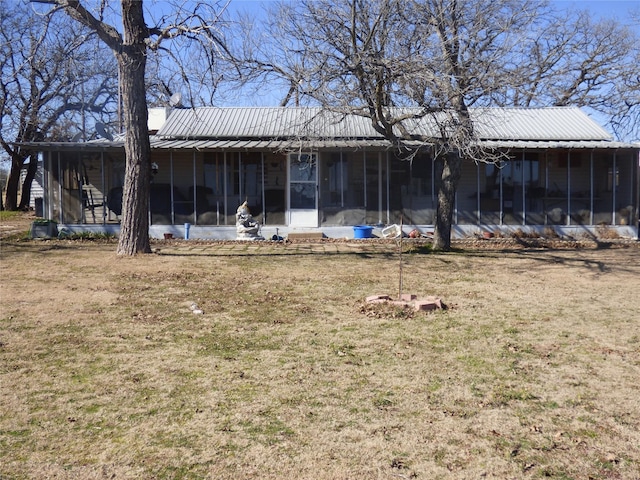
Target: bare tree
x: 43, y: 93
x: 574, y: 59
x: 398, y: 62
x: 197, y: 21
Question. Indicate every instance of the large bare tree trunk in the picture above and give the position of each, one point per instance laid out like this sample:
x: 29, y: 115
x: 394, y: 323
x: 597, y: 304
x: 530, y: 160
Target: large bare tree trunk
x: 130, y: 49
x: 134, y: 228
x: 25, y: 196
x: 13, y: 183
x: 450, y: 171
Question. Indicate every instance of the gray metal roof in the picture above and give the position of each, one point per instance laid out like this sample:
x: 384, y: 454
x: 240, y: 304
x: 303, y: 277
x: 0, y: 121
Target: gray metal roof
x: 554, y: 123
x: 284, y: 128
x: 263, y: 123
x: 528, y: 124
x: 551, y: 144
x: 282, y: 145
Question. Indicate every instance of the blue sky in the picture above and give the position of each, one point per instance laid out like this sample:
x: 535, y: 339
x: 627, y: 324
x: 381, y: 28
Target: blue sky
x: 606, y: 8
x: 611, y: 8
x: 618, y: 9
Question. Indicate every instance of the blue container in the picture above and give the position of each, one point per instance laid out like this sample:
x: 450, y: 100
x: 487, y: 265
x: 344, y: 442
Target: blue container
x: 187, y: 226
x: 362, y: 231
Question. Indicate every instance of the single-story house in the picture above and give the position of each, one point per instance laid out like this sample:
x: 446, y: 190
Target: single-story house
x: 308, y: 170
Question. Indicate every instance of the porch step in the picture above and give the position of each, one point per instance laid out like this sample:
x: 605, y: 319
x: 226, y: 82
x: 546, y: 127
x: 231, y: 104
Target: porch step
x: 305, y: 236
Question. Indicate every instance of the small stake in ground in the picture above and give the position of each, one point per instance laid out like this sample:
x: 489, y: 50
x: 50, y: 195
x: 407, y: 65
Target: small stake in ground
x: 408, y: 300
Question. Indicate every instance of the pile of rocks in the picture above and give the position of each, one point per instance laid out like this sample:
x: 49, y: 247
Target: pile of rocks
x: 409, y: 300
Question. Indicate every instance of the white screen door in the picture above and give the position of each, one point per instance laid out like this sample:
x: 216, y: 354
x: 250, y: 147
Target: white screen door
x: 303, y: 190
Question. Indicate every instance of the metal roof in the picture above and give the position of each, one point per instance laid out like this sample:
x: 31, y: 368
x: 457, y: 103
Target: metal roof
x: 286, y: 128
x: 263, y: 123
x: 283, y: 145
x: 554, y: 123
x: 564, y: 144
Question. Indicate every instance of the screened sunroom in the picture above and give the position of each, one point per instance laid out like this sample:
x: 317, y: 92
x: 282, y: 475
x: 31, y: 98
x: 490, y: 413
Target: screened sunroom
x: 206, y: 162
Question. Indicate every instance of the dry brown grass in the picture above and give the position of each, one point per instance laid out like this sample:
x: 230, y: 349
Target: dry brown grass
x: 533, y: 371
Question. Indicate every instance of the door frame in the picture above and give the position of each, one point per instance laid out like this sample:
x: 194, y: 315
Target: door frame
x: 308, y: 215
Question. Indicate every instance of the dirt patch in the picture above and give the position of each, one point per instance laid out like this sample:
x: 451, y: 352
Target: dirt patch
x: 15, y: 224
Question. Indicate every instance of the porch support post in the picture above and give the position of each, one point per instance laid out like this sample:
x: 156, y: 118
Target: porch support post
x: 173, y: 212
x: 195, y: 206
x: 501, y: 195
x: 522, y: 177
x: 478, y: 215
x: 569, y: 188
x: 341, y: 179
x: 379, y: 187
x: 591, y: 188
x: 46, y: 167
x: 104, y: 189
x: 364, y: 179
x: 546, y: 186
x: 433, y: 176
x: 614, y: 187
x: 80, y: 182
x: 60, y: 202
x: 388, y: 188
x: 240, y: 178
x: 637, y: 167
x: 264, y: 208
x: 46, y: 186
x: 630, y: 185
x: 224, y: 185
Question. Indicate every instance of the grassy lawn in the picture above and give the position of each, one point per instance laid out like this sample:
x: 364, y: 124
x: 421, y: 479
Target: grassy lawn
x: 533, y: 370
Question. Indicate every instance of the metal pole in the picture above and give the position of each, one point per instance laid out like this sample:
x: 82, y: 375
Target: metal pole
x: 479, y: 215
x: 591, y: 188
x: 379, y: 187
x: 104, y: 187
x: 173, y: 212
x: 264, y: 207
x: 501, y: 195
x: 614, y: 187
x: 341, y: 179
x: 224, y: 185
x: 546, y: 186
x: 195, y: 187
x: 524, y: 198
x: 569, y: 188
x: 46, y: 184
x: 400, y: 257
x: 60, y: 202
x: 364, y: 171
x: 388, y: 189
x: 637, y: 192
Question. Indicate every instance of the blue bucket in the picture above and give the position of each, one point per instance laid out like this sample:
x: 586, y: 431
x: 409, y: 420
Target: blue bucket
x: 362, y: 231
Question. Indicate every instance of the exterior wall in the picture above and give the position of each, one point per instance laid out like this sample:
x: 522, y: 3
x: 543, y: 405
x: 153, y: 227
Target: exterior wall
x: 533, y: 189
x: 37, y: 191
